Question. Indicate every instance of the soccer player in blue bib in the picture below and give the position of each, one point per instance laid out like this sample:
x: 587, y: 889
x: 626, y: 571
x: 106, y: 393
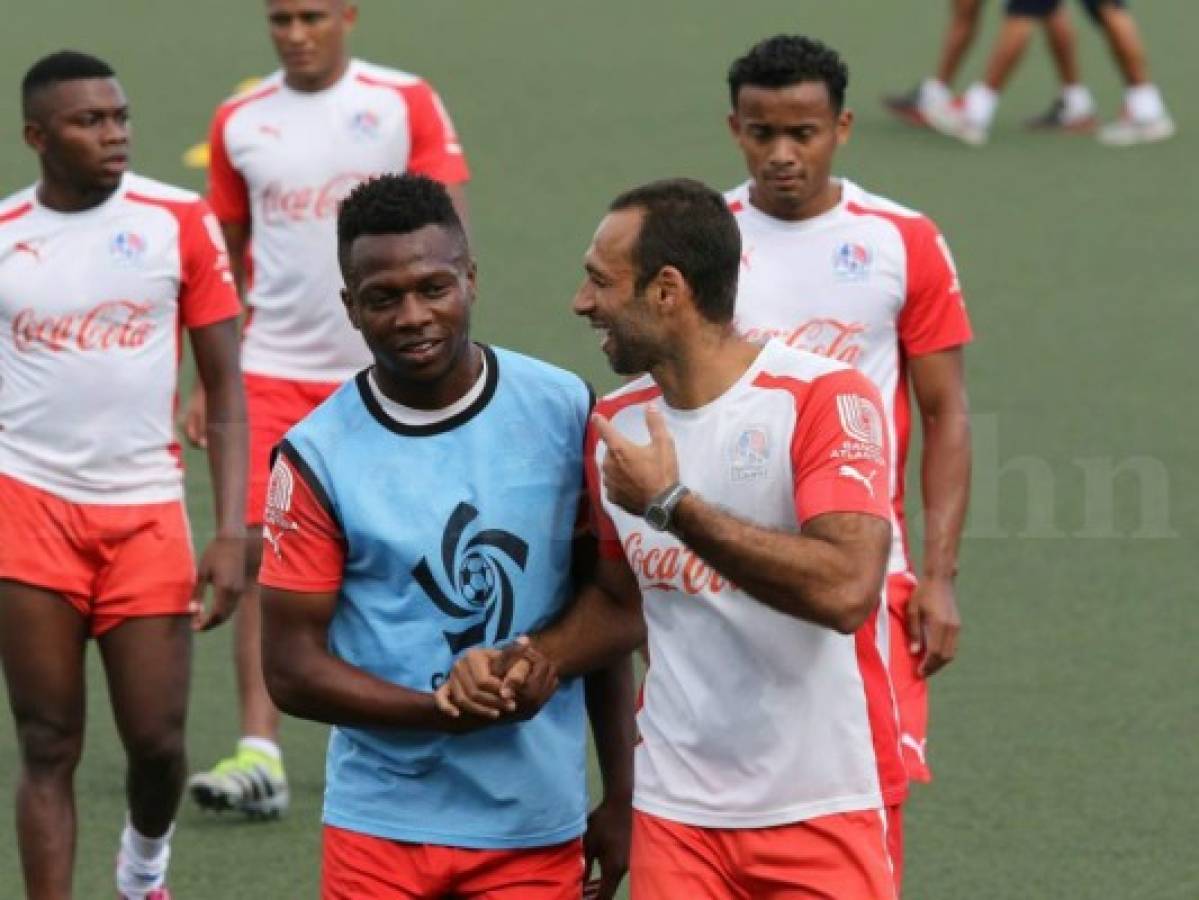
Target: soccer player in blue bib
x: 427, y: 507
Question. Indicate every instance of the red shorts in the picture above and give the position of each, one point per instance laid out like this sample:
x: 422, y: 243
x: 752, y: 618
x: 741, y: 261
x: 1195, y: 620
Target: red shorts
x: 911, y: 690
x: 273, y: 406
x: 110, y: 562
x: 840, y: 856
x: 358, y: 866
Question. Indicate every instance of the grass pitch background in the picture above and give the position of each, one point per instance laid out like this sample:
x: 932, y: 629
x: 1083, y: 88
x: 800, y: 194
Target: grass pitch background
x: 1065, y: 737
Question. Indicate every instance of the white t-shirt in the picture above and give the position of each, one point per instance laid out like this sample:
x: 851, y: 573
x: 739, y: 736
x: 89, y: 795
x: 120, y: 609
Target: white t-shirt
x: 91, y: 308
x: 282, y: 161
x: 869, y: 283
x: 752, y: 718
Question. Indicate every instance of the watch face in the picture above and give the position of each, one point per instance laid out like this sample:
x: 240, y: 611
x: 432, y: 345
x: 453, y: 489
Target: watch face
x: 656, y: 517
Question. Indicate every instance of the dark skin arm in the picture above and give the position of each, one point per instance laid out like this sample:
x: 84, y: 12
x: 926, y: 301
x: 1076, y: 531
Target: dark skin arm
x: 610, y: 694
x: 237, y: 240
x: 939, y: 383
x: 306, y: 680
x: 222, y: 565
x: 830, y: 574
x: 610, y: 704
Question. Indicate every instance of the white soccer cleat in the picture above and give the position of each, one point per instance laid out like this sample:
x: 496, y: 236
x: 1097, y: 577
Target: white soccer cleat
x: 951, y: 120
x: 251, y: 782
x: 1128, y: 132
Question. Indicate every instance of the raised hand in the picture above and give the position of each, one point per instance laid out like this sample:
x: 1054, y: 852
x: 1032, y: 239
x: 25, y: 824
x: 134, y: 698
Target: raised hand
x: 634, y: 474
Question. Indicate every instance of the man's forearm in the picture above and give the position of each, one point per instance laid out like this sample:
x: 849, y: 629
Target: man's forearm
x: 610, y: 707
x: 228, y: 449
x: 802, y: 576
x: 597, y: 631
x: 945, y: 488
x: 326, y: 689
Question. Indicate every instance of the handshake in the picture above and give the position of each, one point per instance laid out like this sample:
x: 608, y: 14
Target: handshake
x: 497, y: 684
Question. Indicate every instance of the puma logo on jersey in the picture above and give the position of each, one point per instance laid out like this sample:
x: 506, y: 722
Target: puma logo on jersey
x: 916, y: 746
x: 867, y: 481
x: 30, y: 247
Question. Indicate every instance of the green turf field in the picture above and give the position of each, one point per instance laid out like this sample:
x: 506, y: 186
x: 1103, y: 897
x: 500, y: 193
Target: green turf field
x: 1066, y: 737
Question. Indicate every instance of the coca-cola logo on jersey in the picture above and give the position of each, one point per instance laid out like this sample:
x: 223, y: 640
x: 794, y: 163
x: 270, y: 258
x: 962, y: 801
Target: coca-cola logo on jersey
x: 673, y: 568
x: 282, y: 205
x: 111, y: 325
x: 827, y: 337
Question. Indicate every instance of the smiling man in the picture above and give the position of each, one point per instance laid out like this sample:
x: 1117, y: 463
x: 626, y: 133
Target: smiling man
x: 283, y: 155
x: 830, y: 268
x: 428, y: 507
x: 728, y: 535
x: 99, y: 271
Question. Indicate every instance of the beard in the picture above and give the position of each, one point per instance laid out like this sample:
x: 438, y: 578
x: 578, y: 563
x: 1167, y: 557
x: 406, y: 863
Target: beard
x: 629, y: 353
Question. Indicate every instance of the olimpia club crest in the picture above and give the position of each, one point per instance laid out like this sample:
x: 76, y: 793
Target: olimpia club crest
x: 477, y: 570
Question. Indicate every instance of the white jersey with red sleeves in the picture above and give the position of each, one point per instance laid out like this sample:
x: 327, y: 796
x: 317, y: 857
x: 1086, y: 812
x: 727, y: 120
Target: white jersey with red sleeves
x: 281, y: 162
x: 752, y: 718
x: 91, y: 307
x: 869, y: 283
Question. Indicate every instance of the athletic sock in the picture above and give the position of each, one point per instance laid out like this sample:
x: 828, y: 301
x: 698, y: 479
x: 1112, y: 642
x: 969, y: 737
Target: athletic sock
x: 934, y: 92
x: 979, y: 104
x: 142, y: 862
x: 1144, y: 103
x: 1078, y: 102
x: 265, y: 746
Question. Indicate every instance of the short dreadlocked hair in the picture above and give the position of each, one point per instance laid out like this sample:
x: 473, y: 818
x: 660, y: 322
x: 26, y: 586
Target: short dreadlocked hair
x: 787, y: 59
x: 394, y: 204
x: 65, y: 65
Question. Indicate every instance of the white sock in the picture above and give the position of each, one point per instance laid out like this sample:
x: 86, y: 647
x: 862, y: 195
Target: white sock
x: 262, y: 745
x: 1144, y: 102
x: 142, y: 861
x: 1078, y: 101
x: 979, y: 103
x: 934, y: 93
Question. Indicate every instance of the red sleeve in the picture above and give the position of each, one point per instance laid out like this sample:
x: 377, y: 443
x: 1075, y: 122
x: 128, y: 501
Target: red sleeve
x: 207, y: 294
x: 934, y: 314
x: 227, y: 192
x: 601, y: 523
x: 839, y: 453
x: 436, y: 151
x: 303, y: 548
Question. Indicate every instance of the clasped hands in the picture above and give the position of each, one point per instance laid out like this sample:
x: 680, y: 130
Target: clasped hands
x: 490, y: 685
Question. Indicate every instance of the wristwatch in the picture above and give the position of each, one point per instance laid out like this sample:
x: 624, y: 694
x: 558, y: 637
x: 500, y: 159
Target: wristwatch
x: 661, y: 508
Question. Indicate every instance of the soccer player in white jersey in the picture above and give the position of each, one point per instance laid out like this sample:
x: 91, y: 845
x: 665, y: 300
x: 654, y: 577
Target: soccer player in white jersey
x: 283, y: 155
x: 100, y: 269
x: 740, y: 489
x: 830, y: 268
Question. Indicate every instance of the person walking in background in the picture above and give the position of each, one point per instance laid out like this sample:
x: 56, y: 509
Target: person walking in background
x: 283, y: 155
x: 100, y: 270
x: 1072, y: 110
x: 1143, y: 119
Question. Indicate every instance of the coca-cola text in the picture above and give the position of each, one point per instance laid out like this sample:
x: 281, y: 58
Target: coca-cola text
x: 673, y: 568
x: 827, y: 337
x: 281, y: 205
x: 112, y: 324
